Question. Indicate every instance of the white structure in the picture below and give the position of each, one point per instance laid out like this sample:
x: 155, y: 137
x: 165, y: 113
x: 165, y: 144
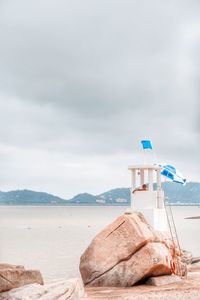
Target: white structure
x: 145, y: 198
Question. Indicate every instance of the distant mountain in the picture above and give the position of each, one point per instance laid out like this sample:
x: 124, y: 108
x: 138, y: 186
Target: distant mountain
x: 82, y: 199
x: 26, y: 197
x: 175, y: 194
x: 118, y: 196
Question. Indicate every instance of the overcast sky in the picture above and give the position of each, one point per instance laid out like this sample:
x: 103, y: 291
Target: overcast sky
x: 81, y: 82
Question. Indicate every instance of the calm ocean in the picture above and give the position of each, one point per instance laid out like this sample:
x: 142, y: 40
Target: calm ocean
x: 52, y: 239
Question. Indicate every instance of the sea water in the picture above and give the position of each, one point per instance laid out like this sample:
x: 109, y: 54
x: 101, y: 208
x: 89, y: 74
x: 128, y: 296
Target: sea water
x: 52, y: 239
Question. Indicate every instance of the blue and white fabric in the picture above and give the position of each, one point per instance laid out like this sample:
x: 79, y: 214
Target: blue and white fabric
x: 172, y: 173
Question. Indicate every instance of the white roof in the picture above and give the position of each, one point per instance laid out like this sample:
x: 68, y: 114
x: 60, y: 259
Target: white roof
x: 147, y: 167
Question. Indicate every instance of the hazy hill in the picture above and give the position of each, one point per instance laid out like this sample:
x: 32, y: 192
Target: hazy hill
x: 175, y: 194
x: 190, y: 193
x: 26, y: 197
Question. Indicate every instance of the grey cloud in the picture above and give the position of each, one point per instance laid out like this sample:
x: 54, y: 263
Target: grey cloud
x: 91, y: 77
x: 80, y: 53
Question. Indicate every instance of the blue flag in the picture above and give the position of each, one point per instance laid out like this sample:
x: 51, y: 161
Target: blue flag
x: 146, y: 144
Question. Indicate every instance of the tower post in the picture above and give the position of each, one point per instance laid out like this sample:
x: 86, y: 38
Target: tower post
x: 150, y: 178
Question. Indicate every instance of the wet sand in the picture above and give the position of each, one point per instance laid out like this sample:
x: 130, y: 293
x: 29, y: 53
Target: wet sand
x: 197, y: 217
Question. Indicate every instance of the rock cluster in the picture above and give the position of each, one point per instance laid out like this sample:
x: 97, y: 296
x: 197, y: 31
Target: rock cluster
x: 53, y: 290
x: 12, y: 276
x: 126, y: 252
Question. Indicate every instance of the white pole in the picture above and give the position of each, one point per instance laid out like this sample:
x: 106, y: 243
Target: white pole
x: 150, y: 179
x: 141, y: 177
x: 158, y: 180
x: 133, y: 180
x: 133, y: 186
x: 159, y: 191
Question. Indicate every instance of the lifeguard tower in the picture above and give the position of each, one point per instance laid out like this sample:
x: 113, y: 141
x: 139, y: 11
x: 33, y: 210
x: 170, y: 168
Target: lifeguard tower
x: 147, y: 195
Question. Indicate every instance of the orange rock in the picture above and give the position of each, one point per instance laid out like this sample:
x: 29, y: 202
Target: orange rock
x: 125, y: 252
x: 16, y: 276
x: 8, y: 266
x: 163, y: 280
x: 150, y: 260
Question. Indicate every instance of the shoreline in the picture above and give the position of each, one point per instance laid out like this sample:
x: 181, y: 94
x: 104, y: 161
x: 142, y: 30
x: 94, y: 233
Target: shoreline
x: 86, y: 205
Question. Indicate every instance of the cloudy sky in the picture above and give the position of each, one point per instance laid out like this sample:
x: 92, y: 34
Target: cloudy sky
x: 81, y: 82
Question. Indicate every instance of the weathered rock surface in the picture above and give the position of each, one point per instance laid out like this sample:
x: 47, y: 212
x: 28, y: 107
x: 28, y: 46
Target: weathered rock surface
x: 8, y: 266
x: 125, y: 252
x: 151, y: 260
x: 15, y: 276
x: 53, y: 290
x: 163, y: 280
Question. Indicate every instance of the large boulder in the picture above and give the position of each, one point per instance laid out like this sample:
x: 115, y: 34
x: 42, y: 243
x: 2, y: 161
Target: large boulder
x: 125, y: 252
x: 12, y: 276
